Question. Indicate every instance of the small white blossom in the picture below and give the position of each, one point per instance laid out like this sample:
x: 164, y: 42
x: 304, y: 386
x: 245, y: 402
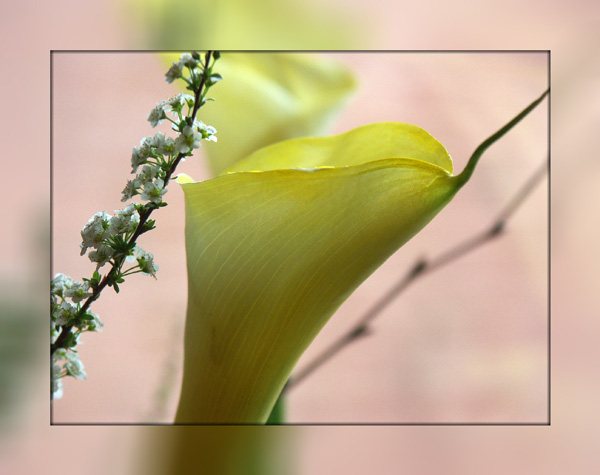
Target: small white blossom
x: 124, y: 221
x: 129, y: 210
x: 129, y: 191
x: 94, y: 325
x: 163, y: 145
x: 101, y: 255
x: 148, y: 173
x: 64, y: 313
x: 61, y: 318
x: 78, y: 292
x: 154, y: 191
x: 56, y: 369
x: 134, y: 220
x: 157, y: 140
x: 178, y: 101
x: 57, y: 384
x: 146, y: 141
x: 131, y: 257
x: 145, y: 148
x: 167, y: 147
x: 188, y: 140
x: 186, y: 59
x: 157, y: 115
x: 138, y: 157
x: 208, y: 131
x: 174, y: 72
x: 95, y: 231
x: 57, y: 388
x: 146, y: 262
x: 74, y: 366
x: 60, y: 283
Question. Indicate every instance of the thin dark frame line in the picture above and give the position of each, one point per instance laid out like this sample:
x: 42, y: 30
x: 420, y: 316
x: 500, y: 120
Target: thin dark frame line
x: 548, y: 52
x: 358, y: 51
x: 51, y: 253
x: 549, y: 326
x: 311, y: 424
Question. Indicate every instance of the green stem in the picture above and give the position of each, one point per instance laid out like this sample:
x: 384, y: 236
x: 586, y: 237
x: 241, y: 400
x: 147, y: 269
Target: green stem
x: 479, y: 151
x: 130, y: 272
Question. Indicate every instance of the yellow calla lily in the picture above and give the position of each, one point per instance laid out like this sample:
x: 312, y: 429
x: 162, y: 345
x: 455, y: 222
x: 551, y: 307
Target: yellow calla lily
x: 274, y: 97
x: 257, y: 25
x: 276, y: 245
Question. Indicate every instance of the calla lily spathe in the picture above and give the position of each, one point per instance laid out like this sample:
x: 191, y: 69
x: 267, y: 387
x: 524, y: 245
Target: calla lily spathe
x: 276, y: 245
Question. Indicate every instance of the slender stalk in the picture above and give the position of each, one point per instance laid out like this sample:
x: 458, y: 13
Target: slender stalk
x: 419, y: 269
x: 479, y: 151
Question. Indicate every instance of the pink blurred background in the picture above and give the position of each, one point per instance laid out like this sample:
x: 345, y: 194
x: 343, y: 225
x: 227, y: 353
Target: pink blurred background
x: 566, y: 446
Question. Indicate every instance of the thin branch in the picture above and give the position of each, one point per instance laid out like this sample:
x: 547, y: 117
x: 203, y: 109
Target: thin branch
x: 487, y: 143
x: 421, y: 268
x: 118, y: 264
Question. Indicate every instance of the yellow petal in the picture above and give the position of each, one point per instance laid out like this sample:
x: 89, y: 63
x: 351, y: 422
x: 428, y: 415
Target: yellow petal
x: 184, y: 178
x: 266, y: 98
x: 257, y: 25
x: 272, y: 254
x: 361, y: 145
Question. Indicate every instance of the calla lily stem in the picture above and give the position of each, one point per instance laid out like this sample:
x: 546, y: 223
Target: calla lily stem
x: 479, y: 151
x: 419, y: 269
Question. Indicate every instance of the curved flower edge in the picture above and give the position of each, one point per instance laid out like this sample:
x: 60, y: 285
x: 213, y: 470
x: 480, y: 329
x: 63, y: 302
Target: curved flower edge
x: 272, y: 255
